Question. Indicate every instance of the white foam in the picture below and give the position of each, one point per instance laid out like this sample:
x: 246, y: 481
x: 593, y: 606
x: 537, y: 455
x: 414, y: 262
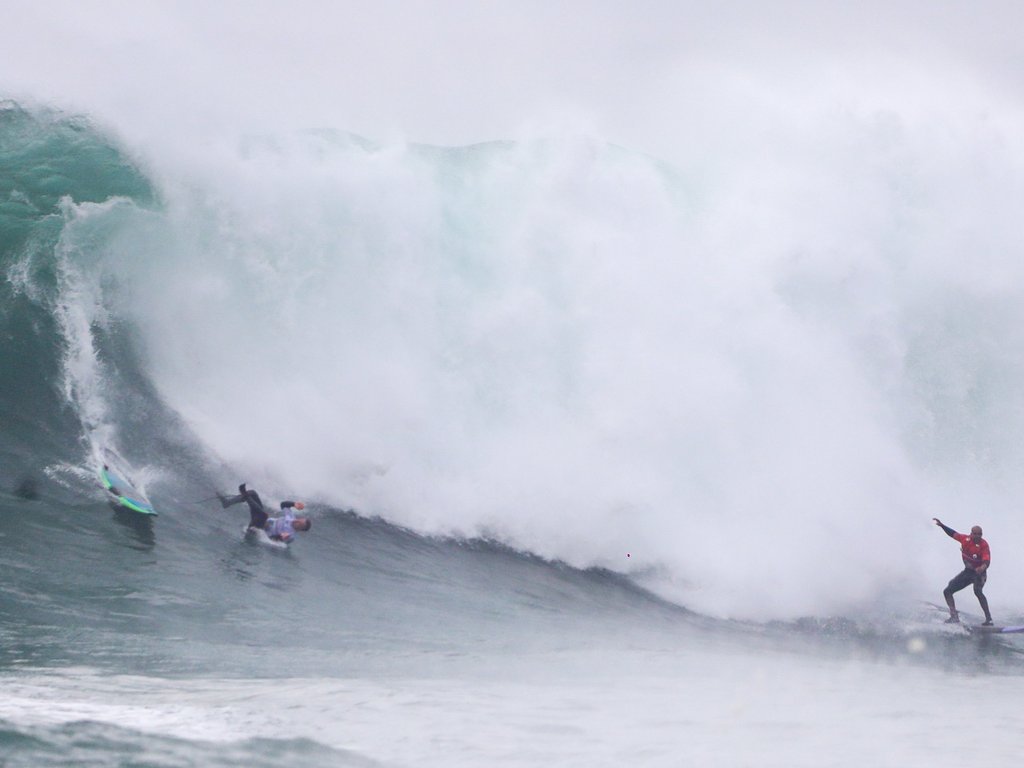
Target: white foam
x: 558, y: 344
x: 568, y: 708
x: 759, y: 377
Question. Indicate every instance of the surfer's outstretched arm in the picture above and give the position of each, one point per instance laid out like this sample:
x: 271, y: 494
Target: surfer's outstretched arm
x: 949, y: 531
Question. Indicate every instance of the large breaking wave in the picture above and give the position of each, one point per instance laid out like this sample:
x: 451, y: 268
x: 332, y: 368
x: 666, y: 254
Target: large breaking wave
x: 749, y: 388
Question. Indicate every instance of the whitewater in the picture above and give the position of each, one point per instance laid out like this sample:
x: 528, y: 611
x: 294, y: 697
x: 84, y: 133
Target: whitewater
x: 620, y: 447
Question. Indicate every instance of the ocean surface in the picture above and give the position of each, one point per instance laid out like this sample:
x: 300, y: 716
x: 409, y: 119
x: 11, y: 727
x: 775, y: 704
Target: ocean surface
x: 609, y: 462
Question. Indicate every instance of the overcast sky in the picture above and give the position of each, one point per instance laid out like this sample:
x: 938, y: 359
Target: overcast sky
x: 639, y: 73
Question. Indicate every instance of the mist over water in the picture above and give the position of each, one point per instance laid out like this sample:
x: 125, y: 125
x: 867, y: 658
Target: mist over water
x: 541, y: 308
x: 741, y: 378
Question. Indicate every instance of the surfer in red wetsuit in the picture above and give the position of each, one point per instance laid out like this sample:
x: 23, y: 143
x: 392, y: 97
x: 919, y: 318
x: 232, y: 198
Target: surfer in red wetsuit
x: 977, y: 558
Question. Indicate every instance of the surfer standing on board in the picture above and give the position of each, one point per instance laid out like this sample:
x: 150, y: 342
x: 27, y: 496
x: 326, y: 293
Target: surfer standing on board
x: 277, y: 528
x: 977, y: 558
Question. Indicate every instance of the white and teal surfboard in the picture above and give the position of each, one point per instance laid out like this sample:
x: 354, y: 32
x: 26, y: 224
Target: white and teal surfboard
x: 120, y: 488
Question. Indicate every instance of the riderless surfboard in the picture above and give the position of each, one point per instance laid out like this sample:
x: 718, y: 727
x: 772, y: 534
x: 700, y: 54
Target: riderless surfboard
x: 120, y: 488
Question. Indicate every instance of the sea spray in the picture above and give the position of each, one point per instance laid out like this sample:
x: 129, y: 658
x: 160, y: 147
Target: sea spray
x: 580, y: 352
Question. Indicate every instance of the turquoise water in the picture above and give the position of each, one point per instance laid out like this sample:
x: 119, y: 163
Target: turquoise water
x: 582, y: 493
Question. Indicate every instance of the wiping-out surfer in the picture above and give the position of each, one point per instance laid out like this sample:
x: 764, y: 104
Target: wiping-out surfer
x: 277, y: 528
x: 977, y: 558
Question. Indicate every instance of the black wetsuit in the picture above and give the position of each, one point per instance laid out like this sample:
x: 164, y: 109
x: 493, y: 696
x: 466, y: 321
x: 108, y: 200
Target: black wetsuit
x: 258, y: 516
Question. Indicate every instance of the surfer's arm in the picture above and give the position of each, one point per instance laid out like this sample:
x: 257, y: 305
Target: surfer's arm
x: 949, y: 531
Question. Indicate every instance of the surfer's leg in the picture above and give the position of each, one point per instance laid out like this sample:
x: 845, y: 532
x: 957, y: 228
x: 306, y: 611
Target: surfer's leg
x: 984, y: 605
x: 948, y: 594
x: 953, y: 615
x: 257, y: 516
x: 958, y: 582
x: 227, y: 501
x: 979, y: 585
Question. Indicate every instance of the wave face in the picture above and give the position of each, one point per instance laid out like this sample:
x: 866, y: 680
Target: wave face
x: 529, y: 390
x: 48, y: 161
x: 735, y: 396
